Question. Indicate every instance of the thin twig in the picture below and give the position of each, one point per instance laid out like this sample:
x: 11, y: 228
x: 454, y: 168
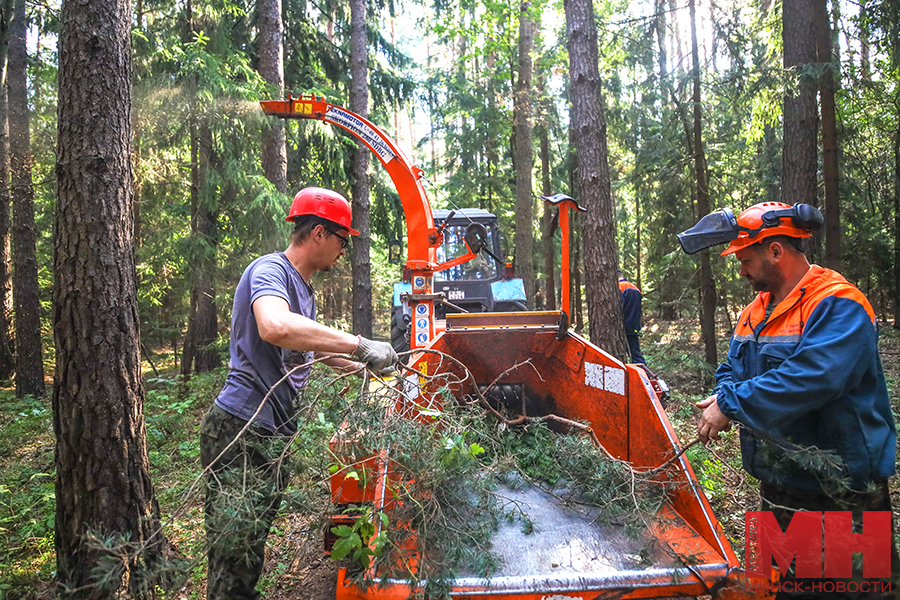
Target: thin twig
x: 663, y: 466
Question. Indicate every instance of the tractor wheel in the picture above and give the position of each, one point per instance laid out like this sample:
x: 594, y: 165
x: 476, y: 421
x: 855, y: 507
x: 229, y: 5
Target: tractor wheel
x: 399, y: 331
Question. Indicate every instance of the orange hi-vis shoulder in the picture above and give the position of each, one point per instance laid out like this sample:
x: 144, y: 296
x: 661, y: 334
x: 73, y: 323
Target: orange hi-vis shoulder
x: 787, y: 320
x: 809, y: 376
x: 627, y: 285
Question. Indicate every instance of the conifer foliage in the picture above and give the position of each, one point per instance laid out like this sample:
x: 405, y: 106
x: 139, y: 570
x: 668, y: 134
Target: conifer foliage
x: 131, y: 218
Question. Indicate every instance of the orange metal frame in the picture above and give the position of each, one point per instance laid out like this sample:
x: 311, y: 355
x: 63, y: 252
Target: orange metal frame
x: 423, y: 238
x: 620, y: 404
x: 564, y: 203
x: 624, y: 412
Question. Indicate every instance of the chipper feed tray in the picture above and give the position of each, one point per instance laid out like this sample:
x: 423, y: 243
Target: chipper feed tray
x: 575, y: 555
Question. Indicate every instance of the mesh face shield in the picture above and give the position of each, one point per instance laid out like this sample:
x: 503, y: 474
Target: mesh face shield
x: 752, y: 226
x: 718, y: 227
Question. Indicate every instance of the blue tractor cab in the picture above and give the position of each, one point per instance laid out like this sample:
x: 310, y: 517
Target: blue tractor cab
x: 482, y: 284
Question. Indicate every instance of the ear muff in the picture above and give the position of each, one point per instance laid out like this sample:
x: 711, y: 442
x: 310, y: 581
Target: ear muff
x: 804, y: 216
x: 808, y: 217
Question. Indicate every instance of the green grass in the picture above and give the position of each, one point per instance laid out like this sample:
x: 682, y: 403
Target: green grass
x: 173, y: 411
x: 27, y: 499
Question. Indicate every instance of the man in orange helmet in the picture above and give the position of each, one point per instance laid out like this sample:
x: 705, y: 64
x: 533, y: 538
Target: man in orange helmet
x: 274, y: 339
x: 803, y: 378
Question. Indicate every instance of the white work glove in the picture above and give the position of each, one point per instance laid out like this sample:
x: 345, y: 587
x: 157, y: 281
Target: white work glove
x: 379, y: 356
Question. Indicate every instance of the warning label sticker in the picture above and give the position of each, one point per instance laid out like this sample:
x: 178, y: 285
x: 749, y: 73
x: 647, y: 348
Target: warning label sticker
x: 606, y: 378
x: 367, y: 134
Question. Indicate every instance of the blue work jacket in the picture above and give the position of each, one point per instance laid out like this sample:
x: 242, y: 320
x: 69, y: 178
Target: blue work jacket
x: 810, y: 376
x: 631, y: 307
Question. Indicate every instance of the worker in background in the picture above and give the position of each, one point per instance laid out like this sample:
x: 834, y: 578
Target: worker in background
x: 273, y: 330
x: 631, y: 316
x: 803, y: 378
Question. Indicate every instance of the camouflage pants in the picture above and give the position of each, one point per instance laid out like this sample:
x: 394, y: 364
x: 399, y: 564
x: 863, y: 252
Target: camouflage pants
x: 784, y: 502
x: 243, y: 493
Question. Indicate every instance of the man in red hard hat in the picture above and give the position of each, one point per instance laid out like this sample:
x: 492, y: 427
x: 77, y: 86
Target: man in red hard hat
x: 803, y: 379
x: 274, y: 339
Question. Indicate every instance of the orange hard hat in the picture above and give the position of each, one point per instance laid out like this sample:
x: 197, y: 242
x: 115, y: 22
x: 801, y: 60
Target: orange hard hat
x: 324, y: 204
x: 764, y: 220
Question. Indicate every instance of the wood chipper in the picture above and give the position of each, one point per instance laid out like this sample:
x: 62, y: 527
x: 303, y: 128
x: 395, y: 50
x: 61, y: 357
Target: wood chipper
x: 684, y: 551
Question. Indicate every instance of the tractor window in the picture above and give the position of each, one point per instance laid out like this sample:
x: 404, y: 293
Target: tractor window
x: 480, y: 267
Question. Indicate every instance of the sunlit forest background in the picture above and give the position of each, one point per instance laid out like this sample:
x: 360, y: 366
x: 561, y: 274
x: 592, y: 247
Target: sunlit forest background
x: 479, y: 94
x: 441, y: 81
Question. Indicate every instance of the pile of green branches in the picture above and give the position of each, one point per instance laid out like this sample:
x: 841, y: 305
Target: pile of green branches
x: 450, y: 460
x: 448, y: 468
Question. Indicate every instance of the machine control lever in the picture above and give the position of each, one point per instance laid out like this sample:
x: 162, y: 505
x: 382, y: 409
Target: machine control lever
x: 433, y: 238
x: 476, y: 240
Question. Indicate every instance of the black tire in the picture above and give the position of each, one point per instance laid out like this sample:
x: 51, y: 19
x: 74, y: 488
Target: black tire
x: 399, y: 331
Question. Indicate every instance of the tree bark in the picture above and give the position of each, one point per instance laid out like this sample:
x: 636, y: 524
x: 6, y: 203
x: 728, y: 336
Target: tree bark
x: 637, y: 234
x: 669, y: 286
x: 830, y: 149
x: 271, y: 67
x: 136, y: 144
x: 589, y: 125
x: 799, y: 155
x: 546, y: 225
x: 103, y: 480
x: 274, y: 139
x: 524, y: 155
x: 359, y: 103
x: 707, y: 283
x: 7, y: 339
x: 575, y: 284
x: 202, y: 331
x: 864, y: 62
x: 26, y: 293
x: 661, y: 56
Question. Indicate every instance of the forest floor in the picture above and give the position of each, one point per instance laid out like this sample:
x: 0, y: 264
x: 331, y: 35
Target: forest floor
x: 295, y: 566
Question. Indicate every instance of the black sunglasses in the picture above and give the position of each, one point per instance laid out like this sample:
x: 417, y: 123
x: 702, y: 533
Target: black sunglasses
x: 345, y: 241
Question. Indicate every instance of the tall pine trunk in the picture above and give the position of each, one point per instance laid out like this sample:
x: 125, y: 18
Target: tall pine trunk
x: 136, y: 145
x: 359, y: 103
x: 864, y: 62
x: 670, y: 286
x: 524, y: 155
x: 588, y: 123
x: 707, y: 284
x: 830, y: 168
x: 271, y: 67
x: 547, y: 224
x: 575, y: 285
x: 103, y: 480
x: 202, y: 331
x: 7, y: 340
x: 799, y: 157
x: 26, y: 293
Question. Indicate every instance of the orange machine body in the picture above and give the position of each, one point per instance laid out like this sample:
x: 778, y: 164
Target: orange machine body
x: 573, y: 379
x: 423, y: 237
x: 570, y: 378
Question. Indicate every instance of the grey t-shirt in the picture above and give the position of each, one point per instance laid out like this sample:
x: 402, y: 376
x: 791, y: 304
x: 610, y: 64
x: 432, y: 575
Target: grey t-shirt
x: 256, y: 365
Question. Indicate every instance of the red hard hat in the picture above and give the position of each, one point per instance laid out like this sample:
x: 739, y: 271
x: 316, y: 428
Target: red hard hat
x: 752, y: 218
x: 324, y: 204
